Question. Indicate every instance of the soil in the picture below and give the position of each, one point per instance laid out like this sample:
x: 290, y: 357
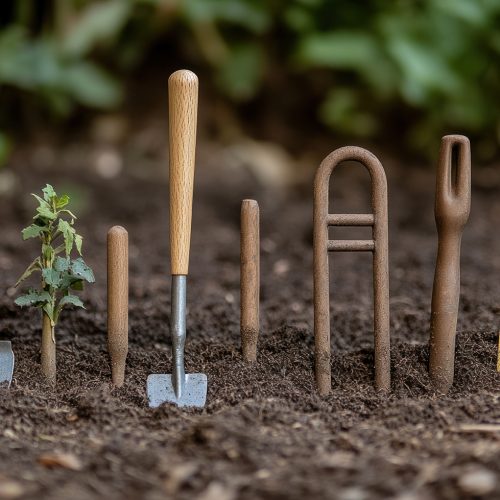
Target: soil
x: 265, y: 432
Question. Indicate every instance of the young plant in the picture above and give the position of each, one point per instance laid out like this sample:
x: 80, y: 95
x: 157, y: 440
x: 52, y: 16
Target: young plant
x: 60, y: 274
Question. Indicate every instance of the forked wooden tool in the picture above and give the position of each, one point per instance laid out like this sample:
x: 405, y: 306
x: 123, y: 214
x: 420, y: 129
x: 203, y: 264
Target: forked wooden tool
x: 180, y: 388
x: 453, y: 197
x: 118, y: 302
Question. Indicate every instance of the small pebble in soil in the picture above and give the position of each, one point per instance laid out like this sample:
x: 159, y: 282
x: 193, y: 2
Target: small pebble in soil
x: 281, y: 267
x: 62, y: 460
x: 263, y: 474
x: 478, y: 482
x: 267, y: 245
x: 353, y: 494
x: 10, y: 489
x: 217, y: 491
x: 108, y: 163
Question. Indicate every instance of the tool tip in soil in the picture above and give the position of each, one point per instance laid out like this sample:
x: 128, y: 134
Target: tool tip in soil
x: 160, y: 389
x: 6, y: 363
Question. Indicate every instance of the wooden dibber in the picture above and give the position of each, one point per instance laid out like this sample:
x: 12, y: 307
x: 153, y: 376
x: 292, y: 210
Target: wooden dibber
x: 118, y: 302
x: 250, y: 279
x: 453, y: 197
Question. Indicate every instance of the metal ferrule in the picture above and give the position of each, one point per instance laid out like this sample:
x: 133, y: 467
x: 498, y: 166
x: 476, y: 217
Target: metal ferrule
x: 178, y: 332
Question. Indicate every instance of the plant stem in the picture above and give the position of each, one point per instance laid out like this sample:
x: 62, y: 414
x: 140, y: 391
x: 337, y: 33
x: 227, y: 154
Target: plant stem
x: 48, y: 350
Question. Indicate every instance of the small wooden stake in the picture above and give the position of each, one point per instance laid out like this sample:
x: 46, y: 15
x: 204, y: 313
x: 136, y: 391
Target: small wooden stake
x: 250, y: 279
x: 48, y: 351
x: 118, y: 302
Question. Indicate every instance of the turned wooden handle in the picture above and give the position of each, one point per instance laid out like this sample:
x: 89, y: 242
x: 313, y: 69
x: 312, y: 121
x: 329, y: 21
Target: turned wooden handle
x: 183, y: 104
x: 118, y: 302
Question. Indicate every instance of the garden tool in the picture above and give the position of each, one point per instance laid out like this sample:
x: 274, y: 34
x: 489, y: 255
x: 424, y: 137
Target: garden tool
x: 118, y: 302
x: 378, y: 245
x: 452, y: 207
x: 249, y: 279
x: 6, y: 362
x: 180, y: 388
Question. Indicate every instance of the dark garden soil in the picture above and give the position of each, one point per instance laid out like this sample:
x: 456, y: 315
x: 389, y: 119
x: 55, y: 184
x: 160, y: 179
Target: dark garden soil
x: 264, y: 433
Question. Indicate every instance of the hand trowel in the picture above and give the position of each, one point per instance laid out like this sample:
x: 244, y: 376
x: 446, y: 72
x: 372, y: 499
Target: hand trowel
x: 179, y: 388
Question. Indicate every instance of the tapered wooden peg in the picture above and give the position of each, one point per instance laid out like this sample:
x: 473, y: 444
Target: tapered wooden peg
x: 118, y: 302
x: 250, y: 279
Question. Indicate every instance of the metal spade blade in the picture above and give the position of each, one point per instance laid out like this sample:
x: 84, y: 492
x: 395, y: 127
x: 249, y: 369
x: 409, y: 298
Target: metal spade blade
x: 6, y: 362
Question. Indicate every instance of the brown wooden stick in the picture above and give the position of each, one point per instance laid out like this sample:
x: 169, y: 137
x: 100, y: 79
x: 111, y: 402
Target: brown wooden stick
x: 118, y: 302
x: 48, y: 351
x: 250, y: 279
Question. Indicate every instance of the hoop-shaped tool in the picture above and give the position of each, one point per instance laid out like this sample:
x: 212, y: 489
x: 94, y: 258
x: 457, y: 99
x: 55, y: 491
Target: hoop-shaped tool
x: 378, y: 245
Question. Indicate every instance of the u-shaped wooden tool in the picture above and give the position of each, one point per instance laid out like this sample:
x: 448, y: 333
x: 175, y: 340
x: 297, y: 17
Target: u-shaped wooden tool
x: 452, y: 208
x: 378, y: 246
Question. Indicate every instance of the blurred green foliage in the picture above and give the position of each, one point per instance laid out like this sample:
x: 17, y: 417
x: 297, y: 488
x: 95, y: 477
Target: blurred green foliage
x: 436, y: 61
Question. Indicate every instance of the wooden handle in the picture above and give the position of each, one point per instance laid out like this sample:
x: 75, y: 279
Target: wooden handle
x: 250, y: 279
x: 183, y: 104
x: 118, y: 302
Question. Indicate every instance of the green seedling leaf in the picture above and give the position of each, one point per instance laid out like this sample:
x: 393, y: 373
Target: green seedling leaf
x: 48, y: 193
x: 71, y: 300
x: 68, y: 233
x: 32, y: 231
x: 78, y: 243
x: 81, y: 270
x: 61, y: 264
x: 45, y: 213
x: 36, y: 265
x: 49, y: 310
x: 41, y: 201
x: 51, y: 277
x: 62, y: 201
x: 33, y: 298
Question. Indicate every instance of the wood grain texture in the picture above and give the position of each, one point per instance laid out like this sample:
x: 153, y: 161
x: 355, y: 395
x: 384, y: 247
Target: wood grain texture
x: 250, y: 279
x: 118, y: 302
x: 183, y: 106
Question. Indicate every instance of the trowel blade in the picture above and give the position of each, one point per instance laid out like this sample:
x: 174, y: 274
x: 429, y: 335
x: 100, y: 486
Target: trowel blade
x: 6, y: 362
x: 160, y: 390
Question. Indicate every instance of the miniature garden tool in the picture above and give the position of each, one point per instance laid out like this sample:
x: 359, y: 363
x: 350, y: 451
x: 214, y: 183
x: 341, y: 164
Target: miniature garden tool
x: 118, y: 302
x: 378, y: 245
x: 180, y: 388
x: 6, y: 362
x: 452, y: 207
x: 250, y: 279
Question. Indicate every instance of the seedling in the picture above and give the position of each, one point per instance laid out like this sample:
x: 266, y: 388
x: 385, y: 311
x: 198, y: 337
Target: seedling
x: 60, y: 275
